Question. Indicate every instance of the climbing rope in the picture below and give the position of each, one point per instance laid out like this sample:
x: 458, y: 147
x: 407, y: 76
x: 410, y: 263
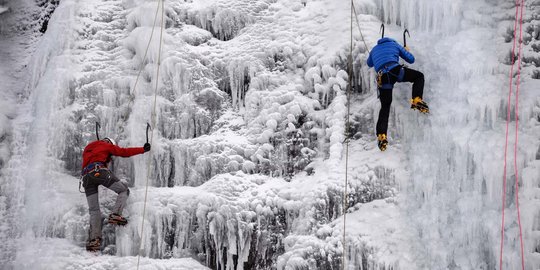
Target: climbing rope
x: 519, y: 5
x: 516, y: 141
x: 132, y: 96
x: 153, y: 120
x: 358, y: 25
x: 347, y: 127
x: 141, y: 66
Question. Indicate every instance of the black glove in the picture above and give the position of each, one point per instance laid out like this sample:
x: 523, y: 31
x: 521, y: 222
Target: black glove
x: 146, y: 147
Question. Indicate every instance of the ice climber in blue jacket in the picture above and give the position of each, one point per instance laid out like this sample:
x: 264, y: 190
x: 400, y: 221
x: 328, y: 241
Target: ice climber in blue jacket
x: 385, y: 58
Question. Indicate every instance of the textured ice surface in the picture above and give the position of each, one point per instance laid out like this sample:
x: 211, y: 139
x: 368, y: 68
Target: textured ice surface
x: 247, y: 160
x: 54, y: 253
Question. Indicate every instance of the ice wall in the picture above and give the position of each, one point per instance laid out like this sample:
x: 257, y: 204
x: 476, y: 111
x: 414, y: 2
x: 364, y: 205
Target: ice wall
x: 19, y: 40
x: 215, y: 112
x: 251, y: 95
x: 456, y: 154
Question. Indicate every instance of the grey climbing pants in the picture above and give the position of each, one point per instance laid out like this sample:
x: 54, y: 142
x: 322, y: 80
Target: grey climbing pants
x: 91, y: 182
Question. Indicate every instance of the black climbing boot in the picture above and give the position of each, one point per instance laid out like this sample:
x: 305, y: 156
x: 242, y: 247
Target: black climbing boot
x: 117, y: 219
x: 418, y: 104
x: 382, y: 142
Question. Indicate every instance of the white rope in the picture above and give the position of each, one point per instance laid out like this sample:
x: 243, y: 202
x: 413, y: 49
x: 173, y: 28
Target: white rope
x: 153, y: 120
x: 358, y: 25
x: 349, y: 91
x: 347, y: 127
x: 132, y: 96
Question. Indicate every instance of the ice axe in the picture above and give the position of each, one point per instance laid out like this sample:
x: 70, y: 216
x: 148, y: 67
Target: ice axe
x: 405, y: 37
x: 382, y: 30
x: 147, y: 128
x: 98, y: 126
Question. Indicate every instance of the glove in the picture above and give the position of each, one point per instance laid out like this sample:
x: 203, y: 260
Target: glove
x: 146, y: 147
x: 407, y: 48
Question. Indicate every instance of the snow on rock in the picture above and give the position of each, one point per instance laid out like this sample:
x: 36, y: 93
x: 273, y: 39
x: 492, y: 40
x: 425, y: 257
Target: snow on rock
x: 232, y: 220
x: 3, y: 9
x: 56, y: 253
x: 194, y: 36
x: 383, y: 246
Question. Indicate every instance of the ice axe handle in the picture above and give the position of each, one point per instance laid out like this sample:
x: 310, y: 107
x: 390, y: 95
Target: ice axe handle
x: 382, y: 29
x: 147, y: 128
x: 405, y: 37
x: 98, y: 126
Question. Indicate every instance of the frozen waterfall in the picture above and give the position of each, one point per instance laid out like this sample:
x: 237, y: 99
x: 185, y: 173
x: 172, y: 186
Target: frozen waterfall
x: 247, y: 164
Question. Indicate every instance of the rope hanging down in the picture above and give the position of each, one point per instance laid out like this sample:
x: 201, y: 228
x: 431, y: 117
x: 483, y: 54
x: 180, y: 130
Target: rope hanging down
x: 358, y: 25
x: 140, y: 69
x: 132, y: 96
x: 153, y: 120
x: 347, y: 127
x: 516, y: 141
x: 519, y: 7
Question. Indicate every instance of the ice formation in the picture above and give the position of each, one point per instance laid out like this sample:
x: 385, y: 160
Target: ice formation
x: 247, y: 162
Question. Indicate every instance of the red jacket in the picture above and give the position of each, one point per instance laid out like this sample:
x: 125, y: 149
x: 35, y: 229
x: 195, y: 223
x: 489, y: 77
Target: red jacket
x: 100, y: 151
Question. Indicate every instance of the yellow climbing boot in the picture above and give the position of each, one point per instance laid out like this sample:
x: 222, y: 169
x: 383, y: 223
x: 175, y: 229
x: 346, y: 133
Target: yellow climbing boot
x: 382, y: 142
x: 418, y: 104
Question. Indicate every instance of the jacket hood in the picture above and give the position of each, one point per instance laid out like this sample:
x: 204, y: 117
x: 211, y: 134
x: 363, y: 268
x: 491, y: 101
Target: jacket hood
x: 384, y: 40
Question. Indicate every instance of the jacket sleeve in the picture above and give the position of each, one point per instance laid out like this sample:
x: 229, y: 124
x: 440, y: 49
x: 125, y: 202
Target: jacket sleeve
x: 125, y: 152
x: 407, y: 56
x: 370, y: 61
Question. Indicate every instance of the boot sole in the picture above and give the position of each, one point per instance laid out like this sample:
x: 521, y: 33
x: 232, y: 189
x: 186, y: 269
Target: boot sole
x: 119, y: 223
x: 93, y: 249
x: 422, y: 111
x: 383, y: 147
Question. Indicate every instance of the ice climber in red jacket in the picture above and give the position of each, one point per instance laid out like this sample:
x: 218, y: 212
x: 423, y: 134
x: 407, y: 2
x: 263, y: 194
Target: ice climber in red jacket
x: 95, y: 172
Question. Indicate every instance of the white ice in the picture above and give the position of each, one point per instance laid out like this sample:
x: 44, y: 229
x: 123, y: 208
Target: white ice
x: 248, y: 155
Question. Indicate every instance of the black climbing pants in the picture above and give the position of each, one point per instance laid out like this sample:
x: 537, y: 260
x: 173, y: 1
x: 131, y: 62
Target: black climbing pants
x: 385, y: 95
x: 91, y: 182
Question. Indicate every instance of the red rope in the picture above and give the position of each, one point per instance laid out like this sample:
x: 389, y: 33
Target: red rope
x: 518, y: 5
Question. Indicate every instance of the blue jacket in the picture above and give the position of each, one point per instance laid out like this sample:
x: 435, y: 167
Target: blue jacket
x: 388, y: 51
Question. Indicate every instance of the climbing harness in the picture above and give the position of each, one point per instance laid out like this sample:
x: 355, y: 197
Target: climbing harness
x: 519, y: 7
x: 148, y: 127
x: 386, y: 70
x: 93, y: 167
